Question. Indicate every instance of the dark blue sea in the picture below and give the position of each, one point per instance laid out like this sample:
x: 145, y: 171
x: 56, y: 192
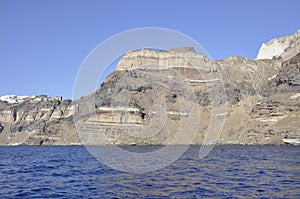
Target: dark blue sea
x: 227, y: 172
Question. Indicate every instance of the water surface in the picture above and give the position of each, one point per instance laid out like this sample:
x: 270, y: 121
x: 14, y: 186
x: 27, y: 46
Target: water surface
x: 227, y: 172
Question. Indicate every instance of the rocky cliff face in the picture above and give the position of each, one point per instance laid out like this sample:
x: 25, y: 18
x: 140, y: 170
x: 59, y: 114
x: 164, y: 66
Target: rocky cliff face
x: 285, y: 47
x: 161, y: 59
x: 172, y: 97
x: 36, y: 120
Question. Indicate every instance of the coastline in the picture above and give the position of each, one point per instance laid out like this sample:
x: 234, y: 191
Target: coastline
x: 155, y: 145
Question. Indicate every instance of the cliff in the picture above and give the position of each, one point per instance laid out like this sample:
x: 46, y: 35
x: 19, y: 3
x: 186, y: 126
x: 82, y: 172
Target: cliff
x: 36, y: 120
x: 171, y: 97
x: 285, y: 47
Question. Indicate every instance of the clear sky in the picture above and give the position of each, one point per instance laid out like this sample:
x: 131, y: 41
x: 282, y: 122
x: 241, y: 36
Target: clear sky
x: 44, y: 42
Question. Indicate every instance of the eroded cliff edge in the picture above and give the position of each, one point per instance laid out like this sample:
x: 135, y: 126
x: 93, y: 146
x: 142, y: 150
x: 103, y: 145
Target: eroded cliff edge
x: 259, y: 102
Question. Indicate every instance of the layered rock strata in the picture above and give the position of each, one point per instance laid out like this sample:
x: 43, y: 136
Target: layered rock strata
x: 171, y: 97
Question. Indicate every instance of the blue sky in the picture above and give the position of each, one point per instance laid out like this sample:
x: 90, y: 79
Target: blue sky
x: 44, y: 42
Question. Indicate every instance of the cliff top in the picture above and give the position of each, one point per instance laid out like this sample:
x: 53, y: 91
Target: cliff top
x: 280, y: 46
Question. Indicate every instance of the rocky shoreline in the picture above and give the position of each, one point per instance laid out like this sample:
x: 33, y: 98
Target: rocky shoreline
x: 139, y: 145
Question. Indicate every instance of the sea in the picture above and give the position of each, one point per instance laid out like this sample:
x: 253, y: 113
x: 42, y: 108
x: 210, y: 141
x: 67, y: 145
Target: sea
x: 226, y: 172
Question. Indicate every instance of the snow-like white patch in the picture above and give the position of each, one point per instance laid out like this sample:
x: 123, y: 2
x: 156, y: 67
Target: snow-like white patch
x: 127, y: 109
x: 270, y: 50
x: 277, y: 47
x: 295, y: 96
x: 12, y: 99
x: 221, y: 114
x: 272, y: 77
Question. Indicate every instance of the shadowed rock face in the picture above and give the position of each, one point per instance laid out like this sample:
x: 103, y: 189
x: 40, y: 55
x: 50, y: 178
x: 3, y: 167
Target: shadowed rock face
x: 37, y: 120
x: 154, y: 95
